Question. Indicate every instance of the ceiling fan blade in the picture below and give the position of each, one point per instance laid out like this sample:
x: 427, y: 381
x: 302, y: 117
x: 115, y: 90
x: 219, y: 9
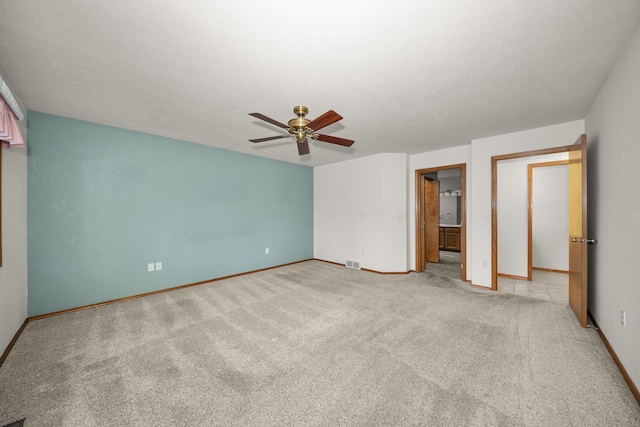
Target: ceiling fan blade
x: 269, y: 120
x: 269, y: 138
x: 335, y: 140
x: 303, y: 147
x: 324, y: 120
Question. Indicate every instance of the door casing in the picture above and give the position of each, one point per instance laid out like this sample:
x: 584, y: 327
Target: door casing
x: 419, y: 201
x: 578, y: 146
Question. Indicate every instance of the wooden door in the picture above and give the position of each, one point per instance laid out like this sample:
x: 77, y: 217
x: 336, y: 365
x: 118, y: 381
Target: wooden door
x: 577, y: 171
x: 432, y: 220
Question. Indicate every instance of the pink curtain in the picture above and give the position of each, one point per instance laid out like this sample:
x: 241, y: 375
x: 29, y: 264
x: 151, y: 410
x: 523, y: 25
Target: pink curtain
x: 10, y: 134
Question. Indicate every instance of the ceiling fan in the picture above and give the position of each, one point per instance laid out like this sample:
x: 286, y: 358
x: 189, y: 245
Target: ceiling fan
x: 301, y: 129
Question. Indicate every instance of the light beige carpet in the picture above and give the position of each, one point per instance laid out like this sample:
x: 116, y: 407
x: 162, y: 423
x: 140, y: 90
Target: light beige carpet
x: 314, y: 344
x: 449, y: 265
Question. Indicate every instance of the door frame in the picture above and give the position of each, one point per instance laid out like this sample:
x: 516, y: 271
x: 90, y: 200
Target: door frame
x: 530, y: 208
x: 494, y: 198
x: 419, y: 198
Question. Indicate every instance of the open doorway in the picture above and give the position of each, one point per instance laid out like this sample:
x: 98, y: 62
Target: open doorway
x: 576, y: 239
x: 532, y: 208
x: 440, y: 220
x: 548, y: 252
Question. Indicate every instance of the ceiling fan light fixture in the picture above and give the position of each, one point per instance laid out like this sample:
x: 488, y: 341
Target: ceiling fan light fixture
x: 298, y: 128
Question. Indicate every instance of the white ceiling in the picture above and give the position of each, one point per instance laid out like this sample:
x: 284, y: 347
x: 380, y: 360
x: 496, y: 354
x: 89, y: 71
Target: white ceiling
x: 407, y: 75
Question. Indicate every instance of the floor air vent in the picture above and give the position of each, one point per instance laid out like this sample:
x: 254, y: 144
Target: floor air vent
x: 353, y: 264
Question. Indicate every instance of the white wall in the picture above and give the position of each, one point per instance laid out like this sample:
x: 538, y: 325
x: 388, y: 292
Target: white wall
x: 434, y: 159
x: 394, y: 214
x: 360, y: 212
x: 513, y: 213
x: 550, y: 217
x: 481, y: 152
x: 13, y: 273
x: 449, y: 210
x: 613, y: 130
x: 452, y: 183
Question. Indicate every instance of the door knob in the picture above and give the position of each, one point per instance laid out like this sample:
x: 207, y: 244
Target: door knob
x: 588, y: 241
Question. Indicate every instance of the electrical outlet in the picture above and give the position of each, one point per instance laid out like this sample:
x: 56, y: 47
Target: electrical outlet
x: 266, y: 250
x: 158, y: 266
x: 485, y: 263
x: 623, y: 318
x: 150, y: 267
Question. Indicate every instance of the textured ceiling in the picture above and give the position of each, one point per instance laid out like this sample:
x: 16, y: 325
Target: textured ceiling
x: 407, y: 76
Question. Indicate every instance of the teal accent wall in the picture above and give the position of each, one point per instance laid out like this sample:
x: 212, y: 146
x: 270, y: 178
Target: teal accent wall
x: 104, y: 202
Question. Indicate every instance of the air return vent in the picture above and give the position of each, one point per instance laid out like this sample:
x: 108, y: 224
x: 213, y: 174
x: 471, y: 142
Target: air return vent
x: 353, y: 264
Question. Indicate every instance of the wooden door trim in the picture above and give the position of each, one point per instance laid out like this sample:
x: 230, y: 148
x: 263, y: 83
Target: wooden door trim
x: 530, y: 167
x: 419, y: 201
x: 494, y: 198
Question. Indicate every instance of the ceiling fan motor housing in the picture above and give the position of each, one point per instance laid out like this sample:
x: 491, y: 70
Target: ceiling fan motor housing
x: 298, y: 126
x: 298, y: 123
